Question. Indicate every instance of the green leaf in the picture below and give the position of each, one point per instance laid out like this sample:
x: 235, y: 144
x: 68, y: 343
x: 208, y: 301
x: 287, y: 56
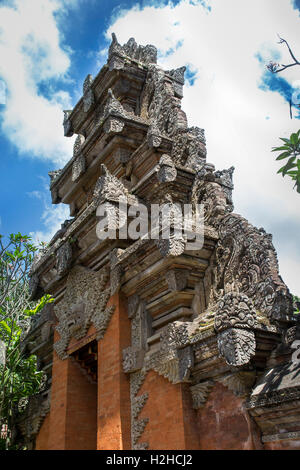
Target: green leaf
x: 294, y: 139
x: 278, y: 149
x: 290, y: 164
x: 282, y: 156
x: 287, y: 141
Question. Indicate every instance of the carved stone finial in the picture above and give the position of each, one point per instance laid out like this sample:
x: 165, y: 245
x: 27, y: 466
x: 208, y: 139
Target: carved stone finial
x: 234, y: 321
x: 54, y: 175
x: 113, y: 106
x: 68, y: 131
x: 200, y: 393
x: 166, y: 170
x: 79, y: 141
x: 64, y: 259
x: 88, y: 94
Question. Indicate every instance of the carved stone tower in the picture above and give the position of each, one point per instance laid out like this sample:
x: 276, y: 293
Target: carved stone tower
x: 151, y: 344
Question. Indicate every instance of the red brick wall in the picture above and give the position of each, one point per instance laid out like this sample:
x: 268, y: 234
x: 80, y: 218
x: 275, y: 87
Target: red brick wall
x: 41, y: 442
x: 73, y: 413
x: 113, y: 384
x: 172, y: 421
x: 224, y: 423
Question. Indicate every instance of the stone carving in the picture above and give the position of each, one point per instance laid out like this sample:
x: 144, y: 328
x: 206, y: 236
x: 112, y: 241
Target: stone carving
x: 113, y: 125
x: 54, y: 175
x: 145, y: 54
x: 161, y: 105
x: 236, y: 346
x: 166, y: 170
x: 113, y: 106
x: 210, y: 193
x: 88, y: 94
x: 225, y: 178
x: 133, y: 359
x: 79, y: 141
x: 174, y: 359
x: 154, y: 138
x: 290, y: 335
x: 64, y: 259
x: 84, y: 303
x: 240, y: 383
x: 178, y: 76
x: 175, y: 364
x: 173, y: 246
x: 235, y: 311
x: 35, y: 412
x: 233, y: 321
x: 78, y: 167
x: 189, y: 148
x: 137, y: 404
x: 68, y: 131
x: 246, y: 262
x: 200, y: 393
x: 109, y: 188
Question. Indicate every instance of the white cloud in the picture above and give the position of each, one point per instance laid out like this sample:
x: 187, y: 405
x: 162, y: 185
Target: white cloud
x: 242, y: 122
x: 30, y: 53
x: 52, y: 218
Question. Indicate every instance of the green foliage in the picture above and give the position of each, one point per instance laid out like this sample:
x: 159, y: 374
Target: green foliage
x: 291, y: 151
x: 296, y: 304
x: 19, y: 378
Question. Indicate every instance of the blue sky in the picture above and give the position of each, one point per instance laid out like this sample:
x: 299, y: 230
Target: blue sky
x: 48, y: 47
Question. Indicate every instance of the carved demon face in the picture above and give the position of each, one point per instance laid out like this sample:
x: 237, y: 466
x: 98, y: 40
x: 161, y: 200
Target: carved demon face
x: 77, y: 318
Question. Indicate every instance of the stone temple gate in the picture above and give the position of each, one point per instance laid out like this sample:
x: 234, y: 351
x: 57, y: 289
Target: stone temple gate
x: 150, y: 345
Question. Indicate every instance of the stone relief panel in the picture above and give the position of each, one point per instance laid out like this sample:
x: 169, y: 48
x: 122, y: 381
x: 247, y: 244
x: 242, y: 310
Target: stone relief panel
x: 84, y: 303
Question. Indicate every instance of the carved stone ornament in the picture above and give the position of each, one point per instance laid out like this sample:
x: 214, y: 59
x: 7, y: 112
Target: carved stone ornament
x: 137, y: 403
x: 154, y: 138
x: 133, y: 359
x: 78, y: 167
x: 68, y: 131
x: 145, y: 54
x: 189, y: 149
x: 200, y: 393
x: 113, y: 106
x: 113, y: 125
x: 172, y: 246
x: 54, y: 175
x: 79, y: 141
x: 64, y: 259
x: 35, y: 412
x: 166, y: 170
x: 246, y: 261
x: 88, y: 94
x: 84, y: 303
x: 233, y: 322
x: 235, y: 311
x: 109, y: 187
x: 240, y: 383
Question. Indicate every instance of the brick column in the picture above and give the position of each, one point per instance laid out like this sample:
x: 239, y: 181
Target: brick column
x: 172, y: 421
x: 113, y: 385
x: 73, y: 413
